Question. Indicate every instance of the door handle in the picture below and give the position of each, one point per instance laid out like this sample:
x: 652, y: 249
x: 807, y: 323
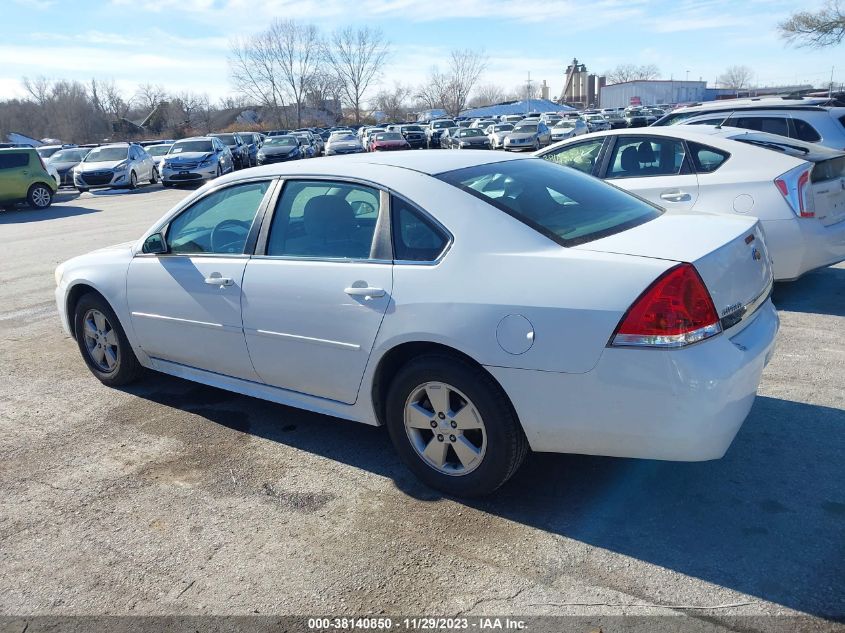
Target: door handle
x: 216, y: 280
x: 675, y: 196
x: 365, y: 291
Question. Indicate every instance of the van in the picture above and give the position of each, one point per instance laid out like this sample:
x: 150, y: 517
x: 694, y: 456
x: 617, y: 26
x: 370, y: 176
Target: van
x: 24, y: 178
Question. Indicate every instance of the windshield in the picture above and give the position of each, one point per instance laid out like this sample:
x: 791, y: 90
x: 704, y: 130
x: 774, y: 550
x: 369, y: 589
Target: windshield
x: 565, y: 124
x: 503, y: 128
x: 472, y: 132
x: 346, y: 136
x: 563, y: 204
x: 157, y: 150
x: 411, y: 128
x: 437, y: 125
x: 106, y: 154
x: 284, y: 141
x: 525, y: 129
x: 191, y: 146
x: 68, y: 156
x: 227, y: 139
x: 389, y: 136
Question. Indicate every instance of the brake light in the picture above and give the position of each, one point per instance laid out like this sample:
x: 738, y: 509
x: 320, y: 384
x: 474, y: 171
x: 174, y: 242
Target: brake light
x: 674, y: 311
x: 794, y: 187
x: 41, y: 160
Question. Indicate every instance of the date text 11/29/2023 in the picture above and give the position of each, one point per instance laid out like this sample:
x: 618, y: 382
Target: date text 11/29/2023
x: 414, y: 624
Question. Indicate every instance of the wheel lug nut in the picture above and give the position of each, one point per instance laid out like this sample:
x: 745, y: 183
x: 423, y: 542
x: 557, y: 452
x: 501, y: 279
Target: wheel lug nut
x: 452, y: 438
x: 434, y: 424
x: 454, y: 424
x: 439, y: 437
x: 441, y: 416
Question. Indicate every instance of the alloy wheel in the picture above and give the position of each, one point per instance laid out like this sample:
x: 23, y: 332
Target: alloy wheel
x: 100, y: 341
x: 41, y: 197
x: 445, y: 428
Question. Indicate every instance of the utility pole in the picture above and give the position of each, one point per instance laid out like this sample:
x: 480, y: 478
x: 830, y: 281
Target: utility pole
x: 830, y: 86
x: 528, y: 94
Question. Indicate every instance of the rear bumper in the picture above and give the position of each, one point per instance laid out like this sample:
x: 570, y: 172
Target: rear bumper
x: 800, y: 245
x: 679, y: 405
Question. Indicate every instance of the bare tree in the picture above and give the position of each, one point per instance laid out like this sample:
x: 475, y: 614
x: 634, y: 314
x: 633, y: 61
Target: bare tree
x: 111, y: 100
x: 356, y: 57
x: 736, y: 77
x: 488, y: 94
x: 450, y: 90
x: 38, y: 88
x: 254, y: 73
x: 296, y: 48
x: 632, y: 72
x: 148, y: 96
x: 394, y: 101
x: 825, y: 27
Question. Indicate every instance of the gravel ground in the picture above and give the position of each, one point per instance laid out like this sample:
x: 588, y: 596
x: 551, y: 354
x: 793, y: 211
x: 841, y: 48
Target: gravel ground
x: 173, y: 498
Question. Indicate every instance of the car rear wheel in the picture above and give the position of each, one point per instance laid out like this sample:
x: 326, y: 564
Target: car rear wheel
x: 154, y: 176
x: 103, y: 343
x: 453, y: 426
x: 82, y: 189
x: 133, y: 180
x: 39, y: 196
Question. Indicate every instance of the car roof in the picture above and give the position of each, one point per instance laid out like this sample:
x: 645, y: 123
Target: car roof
x: 754, y: 102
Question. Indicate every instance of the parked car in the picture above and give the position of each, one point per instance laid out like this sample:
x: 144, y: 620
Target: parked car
x: 530, y: 134
x: 115, y: 165
x: 655, y: 344
x: 414, y: 134
x: 253, y: 142
x: 196, y: 160
x: 615, y: 119
x: 343, y: 143
x: 158, y: 152
x: 596, y: 122
x: 306, y: 144
x: 388, y: 141
x: 64, y: 161
x: 24, y: 178
x: 237, y: 146
x: 497, y: 133
x: 435, y: 129
x: 277, y: 149
x: 635, y: 118
x: 469, y: 138
x: 810, y: 123
x: 446, y: 136
x: 796, y: 189
x: 567, y: 128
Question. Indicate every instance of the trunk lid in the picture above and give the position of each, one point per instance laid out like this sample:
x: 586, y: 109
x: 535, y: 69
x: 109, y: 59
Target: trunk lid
x: 827, y: 184
x: 729, y: 253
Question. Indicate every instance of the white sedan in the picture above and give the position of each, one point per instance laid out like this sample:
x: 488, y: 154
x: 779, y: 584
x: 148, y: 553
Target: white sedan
x: 477, y: 304
x: 796, y: 189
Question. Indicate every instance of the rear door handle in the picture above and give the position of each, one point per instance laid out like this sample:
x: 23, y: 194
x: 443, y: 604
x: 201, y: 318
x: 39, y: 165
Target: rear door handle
x: 217, y: 280
x: 675, y: 196
x: 364, y: 292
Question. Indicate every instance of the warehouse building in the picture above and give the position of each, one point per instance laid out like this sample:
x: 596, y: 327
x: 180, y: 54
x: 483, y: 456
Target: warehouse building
x: 651, y: 92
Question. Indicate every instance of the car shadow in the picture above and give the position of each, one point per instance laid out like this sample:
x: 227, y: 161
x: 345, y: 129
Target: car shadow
x: 767, y: 520
x: 821, y: 292
x: 22, y: 215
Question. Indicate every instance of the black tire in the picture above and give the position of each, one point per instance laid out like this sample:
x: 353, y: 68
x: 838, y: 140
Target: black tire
x: 127, y: 368
x: 506, y: 442
x: 154, y: 176
x: 166, y: 185
x: 219, y: 171
x: 39, y: 196
x: 133, y: 180
x: 82, y: 189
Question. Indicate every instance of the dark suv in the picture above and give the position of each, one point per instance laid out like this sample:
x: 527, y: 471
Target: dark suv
x: 238, y: 147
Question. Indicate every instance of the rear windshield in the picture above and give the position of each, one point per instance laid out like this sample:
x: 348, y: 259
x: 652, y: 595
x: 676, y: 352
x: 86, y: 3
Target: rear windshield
x: 563, y: 204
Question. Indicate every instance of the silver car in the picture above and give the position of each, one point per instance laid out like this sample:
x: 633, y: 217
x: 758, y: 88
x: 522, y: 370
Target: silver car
x: 497, y: 133
x: 596, y: 122
x: 158, y: 152
x: 195, y: 160
x: 528, y: 135
x: 343, y: 143
x: 567, y: 128
x: 115, y: 165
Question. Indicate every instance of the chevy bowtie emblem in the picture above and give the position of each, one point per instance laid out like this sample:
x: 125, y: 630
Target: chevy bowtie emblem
x: 756, y: 255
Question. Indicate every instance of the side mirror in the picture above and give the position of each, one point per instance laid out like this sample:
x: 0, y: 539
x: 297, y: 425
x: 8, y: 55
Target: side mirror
x: 155, y: 244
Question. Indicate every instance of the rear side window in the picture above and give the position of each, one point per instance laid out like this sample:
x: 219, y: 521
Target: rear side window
x: 565, y: 205
x: 13, y: 160
x: 643, y: 156
x: 706, y: 159
x: 770, y: 124
x: 805, y: 132
x: 415, y: 237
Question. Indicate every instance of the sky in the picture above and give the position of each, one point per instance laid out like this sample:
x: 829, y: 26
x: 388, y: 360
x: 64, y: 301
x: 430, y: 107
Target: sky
x: 183, y: 44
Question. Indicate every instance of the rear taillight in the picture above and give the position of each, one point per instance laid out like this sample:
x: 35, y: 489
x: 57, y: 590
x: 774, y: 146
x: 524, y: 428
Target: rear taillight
x: 676, y: 310
x: 41, y: 160
x: 794, y: 186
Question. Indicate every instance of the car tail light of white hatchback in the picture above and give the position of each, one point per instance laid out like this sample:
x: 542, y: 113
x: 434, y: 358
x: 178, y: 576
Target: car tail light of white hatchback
x: 476, y: 304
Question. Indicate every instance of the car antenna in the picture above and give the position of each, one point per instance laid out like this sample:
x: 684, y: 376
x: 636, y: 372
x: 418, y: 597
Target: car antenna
x: 725, y: 120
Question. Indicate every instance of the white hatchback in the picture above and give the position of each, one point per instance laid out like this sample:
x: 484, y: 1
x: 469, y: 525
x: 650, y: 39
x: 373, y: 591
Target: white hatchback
x: 796, y: 189
x: 477, y: 304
